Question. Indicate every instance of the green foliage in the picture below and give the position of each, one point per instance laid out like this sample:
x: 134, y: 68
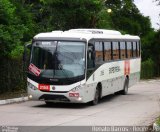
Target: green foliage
x: 146, y: 45
x: 151, y: 48
x: 104, y: 20
x: 69, y: 14
x: 14, y: 25
x: 20, y: 20
x: 158, y: 121
x: 17, y: 51
x: 155, y: 53
x: 126, y: 17
x: 147, y: 69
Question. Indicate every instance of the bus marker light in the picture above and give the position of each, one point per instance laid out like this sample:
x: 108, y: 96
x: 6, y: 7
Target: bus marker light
x: 79, y: 99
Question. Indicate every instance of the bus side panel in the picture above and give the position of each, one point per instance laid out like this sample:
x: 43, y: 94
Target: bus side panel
x: 112, y: 76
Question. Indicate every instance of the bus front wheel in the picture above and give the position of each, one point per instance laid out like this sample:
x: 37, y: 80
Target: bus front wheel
x: 96, y: 96
x: 49, y: 103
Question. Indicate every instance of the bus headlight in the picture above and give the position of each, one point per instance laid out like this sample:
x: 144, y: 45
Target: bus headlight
x: 30, y: 96
x: 31, y: 86
x: 77, y: 88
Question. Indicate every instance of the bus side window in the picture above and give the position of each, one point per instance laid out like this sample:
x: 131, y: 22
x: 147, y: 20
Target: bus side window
x: 129, y: 49
x: 138, y: 49
x: 107, y: 51
x: 115, y: 50
x: 123, y: 50
x: 134, y: 49
x: 98, y: 52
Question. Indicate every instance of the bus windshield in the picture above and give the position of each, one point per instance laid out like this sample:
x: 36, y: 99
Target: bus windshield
x: 59, y: 59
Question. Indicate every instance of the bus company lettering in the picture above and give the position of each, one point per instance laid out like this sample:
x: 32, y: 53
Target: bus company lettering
x: 102, y: 73
x: 44, y: 87
x: 114, y: 69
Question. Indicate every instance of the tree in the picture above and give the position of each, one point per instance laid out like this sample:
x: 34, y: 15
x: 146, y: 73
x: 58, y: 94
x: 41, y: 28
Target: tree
x: 69, y: 14
x: 155, y: 48
x: 126, y: 17
x: 13, y: 27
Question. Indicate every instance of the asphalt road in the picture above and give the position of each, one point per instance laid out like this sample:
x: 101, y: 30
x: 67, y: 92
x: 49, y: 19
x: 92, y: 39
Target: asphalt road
x: 140, y: 108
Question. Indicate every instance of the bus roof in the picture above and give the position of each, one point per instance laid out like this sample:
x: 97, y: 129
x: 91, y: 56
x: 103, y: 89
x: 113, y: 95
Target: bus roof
x: 87, y: 34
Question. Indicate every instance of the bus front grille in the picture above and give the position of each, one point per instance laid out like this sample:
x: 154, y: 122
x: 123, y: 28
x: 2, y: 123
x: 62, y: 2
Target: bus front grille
x: 48, y: 97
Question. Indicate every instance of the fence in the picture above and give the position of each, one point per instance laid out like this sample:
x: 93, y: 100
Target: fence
x: 12, y: 77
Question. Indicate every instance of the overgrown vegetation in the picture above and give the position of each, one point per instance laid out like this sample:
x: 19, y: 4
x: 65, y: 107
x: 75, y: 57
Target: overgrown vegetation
x: 20, y: 20
x: 158, y: 121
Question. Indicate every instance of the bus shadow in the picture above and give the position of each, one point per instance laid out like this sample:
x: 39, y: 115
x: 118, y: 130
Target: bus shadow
x: 104, y: 100
x: 108, y: 98
x: 113, y: 97
x: 63, y: 105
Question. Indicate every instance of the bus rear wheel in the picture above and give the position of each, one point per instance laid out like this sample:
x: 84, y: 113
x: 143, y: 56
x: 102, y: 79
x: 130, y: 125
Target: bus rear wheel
x: 125, y: 89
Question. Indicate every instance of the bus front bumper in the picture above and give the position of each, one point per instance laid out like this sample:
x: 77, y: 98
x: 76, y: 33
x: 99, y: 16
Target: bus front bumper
x: 66, y: 97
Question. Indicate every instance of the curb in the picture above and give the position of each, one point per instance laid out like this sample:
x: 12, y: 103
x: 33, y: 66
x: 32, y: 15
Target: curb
x: 14, y: 100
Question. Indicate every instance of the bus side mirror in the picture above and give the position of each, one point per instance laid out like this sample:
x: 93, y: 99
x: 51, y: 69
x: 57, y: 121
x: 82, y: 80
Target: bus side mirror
x: 93, y: 54
x: 26, y: 56
x: 25, y: 53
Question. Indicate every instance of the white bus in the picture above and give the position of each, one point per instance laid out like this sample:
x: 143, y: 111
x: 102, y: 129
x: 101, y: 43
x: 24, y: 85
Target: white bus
x: 82, y: 65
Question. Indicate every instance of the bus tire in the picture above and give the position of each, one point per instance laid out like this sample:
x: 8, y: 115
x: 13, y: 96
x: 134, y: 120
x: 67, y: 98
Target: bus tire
x: 96, y: 96
x: 125, y: 88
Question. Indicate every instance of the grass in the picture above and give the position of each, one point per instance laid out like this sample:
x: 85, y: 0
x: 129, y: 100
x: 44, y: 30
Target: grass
x: 158, y: 121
